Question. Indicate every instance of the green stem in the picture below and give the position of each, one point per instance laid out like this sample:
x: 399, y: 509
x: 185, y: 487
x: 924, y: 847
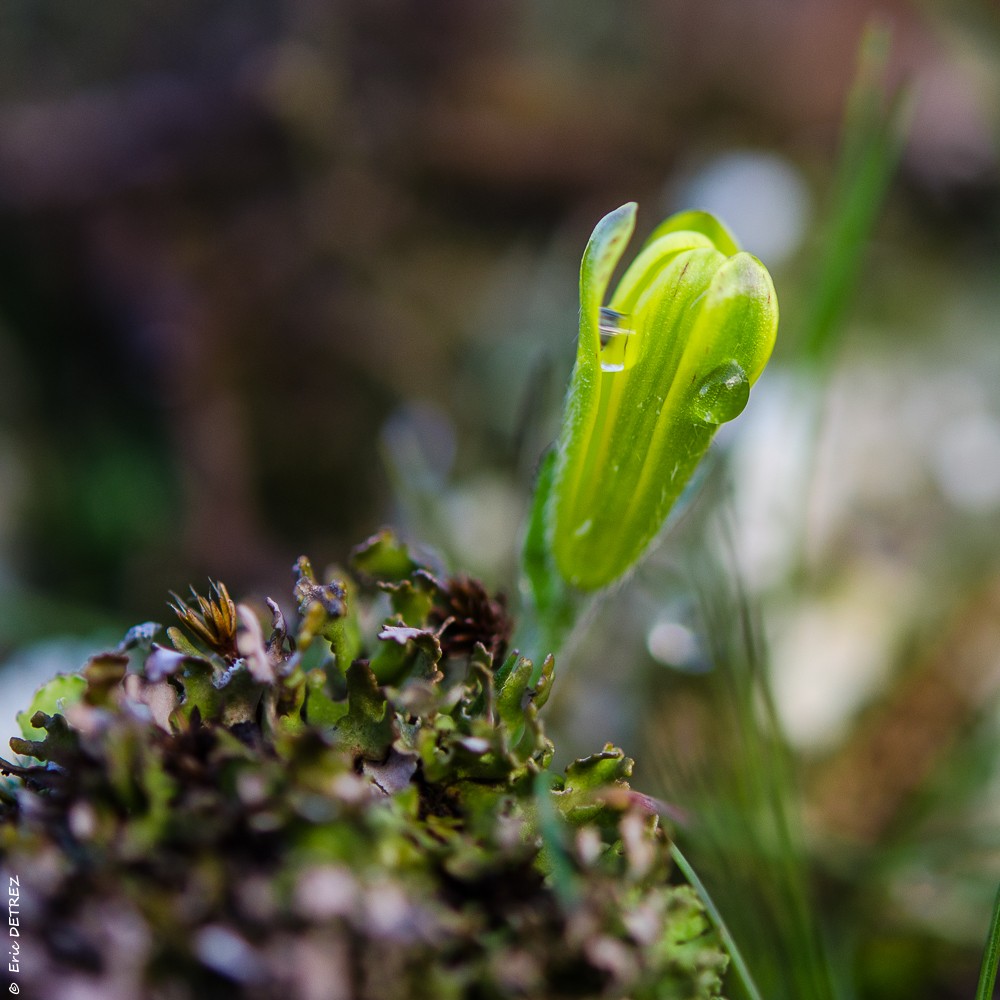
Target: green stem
x: 550, y: 826
x: 991, y: 958
x: 739, y: 965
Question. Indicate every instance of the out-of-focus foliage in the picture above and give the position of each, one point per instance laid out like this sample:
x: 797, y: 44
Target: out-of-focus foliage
x: 237, y: 242
x: 265, y: 818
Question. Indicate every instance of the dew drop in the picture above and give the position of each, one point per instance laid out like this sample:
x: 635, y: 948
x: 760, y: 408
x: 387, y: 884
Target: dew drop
x: 721, y: 395
x: 584, y: 528
x: 612, y: 324
x: 616, y: 340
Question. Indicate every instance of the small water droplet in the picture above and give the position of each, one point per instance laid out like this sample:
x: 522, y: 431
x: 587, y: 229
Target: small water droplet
x: 584, y: 528
x: 721, y: 395
x: 616, y: 340
x: 612, y: 324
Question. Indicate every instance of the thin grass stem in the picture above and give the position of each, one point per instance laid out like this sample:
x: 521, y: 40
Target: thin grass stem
x: 728, y: 942
x: 991, y: 957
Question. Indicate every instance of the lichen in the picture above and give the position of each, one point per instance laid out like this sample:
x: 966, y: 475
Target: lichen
x: 342, y: 811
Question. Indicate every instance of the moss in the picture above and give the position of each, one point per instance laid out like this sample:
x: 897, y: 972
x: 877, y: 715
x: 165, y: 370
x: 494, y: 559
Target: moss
x: 330, y: 814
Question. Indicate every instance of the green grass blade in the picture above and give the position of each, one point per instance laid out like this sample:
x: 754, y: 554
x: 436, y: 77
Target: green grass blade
x: 553, y: 833
x: 991, y: 957
x: 728, y: 942
x: 875, y: 127
x: 733, y: 773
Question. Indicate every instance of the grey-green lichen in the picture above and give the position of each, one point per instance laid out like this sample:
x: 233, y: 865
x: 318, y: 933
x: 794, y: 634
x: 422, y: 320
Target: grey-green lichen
x: 359, y: 809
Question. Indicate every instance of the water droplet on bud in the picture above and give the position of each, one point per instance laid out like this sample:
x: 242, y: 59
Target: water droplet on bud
x: 616, y: 339
x: 612, y: 324
x: 721, y: 395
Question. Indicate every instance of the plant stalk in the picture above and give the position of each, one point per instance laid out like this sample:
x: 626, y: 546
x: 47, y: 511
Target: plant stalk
x: 991, y: 957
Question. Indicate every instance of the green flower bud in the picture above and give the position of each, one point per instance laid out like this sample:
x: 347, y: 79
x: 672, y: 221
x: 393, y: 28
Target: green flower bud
x: 688, y: 330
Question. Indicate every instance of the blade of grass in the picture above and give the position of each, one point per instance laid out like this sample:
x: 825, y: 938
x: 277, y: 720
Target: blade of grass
x: 728, y: 941
x: 876, y: 123
x: 727, y: 763
x: 766, y: 795
x: 875, y: 127
x: 991, y: 957
x: 553, y: 833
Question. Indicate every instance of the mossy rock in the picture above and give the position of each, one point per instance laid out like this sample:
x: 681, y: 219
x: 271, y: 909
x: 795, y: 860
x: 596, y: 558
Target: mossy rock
x: 324, y: 814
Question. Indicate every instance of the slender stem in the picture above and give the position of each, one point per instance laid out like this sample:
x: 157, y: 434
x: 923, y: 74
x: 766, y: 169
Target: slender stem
x: 739, y: 965
x: 991, y: 958
x: 553, y: 840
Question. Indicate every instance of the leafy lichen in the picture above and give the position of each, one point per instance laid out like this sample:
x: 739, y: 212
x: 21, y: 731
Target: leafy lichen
x: 330, y: 814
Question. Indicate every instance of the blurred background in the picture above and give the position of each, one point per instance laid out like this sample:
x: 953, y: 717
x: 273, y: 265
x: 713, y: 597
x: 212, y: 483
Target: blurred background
x: 273, y: 275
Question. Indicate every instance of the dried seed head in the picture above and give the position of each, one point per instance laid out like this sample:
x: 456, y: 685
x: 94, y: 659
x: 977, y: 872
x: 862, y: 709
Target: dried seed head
x: 212, y: 624
x: 465, y: 615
